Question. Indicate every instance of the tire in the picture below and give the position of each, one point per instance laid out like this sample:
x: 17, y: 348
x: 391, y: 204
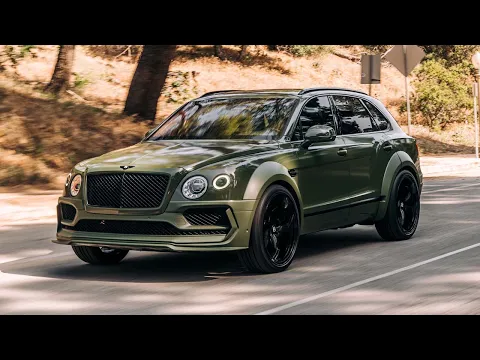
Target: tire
x: 97, y: 256
x: 391, y: 227
x: 268, y: 235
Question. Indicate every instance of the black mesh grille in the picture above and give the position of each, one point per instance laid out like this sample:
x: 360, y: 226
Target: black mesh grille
x: 129, y: 190
x: 207, y: 216
x: 138, y: 227
x: 68, y: 212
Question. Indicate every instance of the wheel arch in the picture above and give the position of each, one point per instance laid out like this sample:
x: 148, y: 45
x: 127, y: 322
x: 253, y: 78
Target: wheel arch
x: 266, y: 175
x: 398, y: 162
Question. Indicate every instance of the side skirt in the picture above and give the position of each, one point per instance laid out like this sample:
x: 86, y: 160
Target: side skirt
x: 362, y: 211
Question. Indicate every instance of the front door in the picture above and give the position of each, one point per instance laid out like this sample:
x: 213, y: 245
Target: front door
x: 322, y: 170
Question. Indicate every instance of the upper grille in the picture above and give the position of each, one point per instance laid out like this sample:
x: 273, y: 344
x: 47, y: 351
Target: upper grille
x: 207, y: 216
x: 68, y: 212
x: 138, y: 227
x: 126, y: 190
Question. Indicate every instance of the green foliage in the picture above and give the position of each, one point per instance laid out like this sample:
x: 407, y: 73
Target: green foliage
x: 80, y: 81
x: 305, y: 50
x: 15, y: 53
x: 111, y: 52
x: 377, y: 49
x: 452, y: 54
x: 180, y: 86
x: 443, y: 94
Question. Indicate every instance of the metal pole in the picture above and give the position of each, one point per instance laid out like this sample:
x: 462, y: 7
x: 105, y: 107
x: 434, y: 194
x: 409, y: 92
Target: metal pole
x: 370, y: 89
x: 475, y: 104
x: 407, y: 91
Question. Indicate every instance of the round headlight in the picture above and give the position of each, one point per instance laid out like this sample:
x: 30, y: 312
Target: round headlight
x: 221, y: 182
x: 194, y: 187
x: 75, y: 185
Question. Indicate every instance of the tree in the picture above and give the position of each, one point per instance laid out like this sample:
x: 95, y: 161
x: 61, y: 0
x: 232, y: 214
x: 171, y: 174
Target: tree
x: 148, y: 80
x: 218, y: 50
x: 63, y: 70
x: 243, y: 52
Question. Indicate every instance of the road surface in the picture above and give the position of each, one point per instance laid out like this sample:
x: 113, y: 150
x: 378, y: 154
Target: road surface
x: 350, y: 271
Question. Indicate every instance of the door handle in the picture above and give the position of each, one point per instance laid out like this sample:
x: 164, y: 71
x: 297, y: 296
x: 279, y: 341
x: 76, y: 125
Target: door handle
x: 388, y: 147
x: 342, y: 152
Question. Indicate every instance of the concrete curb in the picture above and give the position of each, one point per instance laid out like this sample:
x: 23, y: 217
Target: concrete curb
x: 436, y: 170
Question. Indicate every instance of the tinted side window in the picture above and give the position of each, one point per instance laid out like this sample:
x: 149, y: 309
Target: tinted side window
x: 316, y: 111
x: 379, y: 118
x: 354, y: 118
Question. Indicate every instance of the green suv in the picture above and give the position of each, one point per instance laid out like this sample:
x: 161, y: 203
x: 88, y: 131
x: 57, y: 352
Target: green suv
x: 247, y: 171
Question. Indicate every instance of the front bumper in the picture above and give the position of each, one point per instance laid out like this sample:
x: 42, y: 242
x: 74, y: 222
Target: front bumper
x: 239, y: 213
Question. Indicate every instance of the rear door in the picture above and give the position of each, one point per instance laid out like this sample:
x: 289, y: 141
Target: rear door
x: 366, y: 142
x: 385, y: 149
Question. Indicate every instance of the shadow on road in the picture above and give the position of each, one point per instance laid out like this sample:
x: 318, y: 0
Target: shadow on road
x: 180, y: 267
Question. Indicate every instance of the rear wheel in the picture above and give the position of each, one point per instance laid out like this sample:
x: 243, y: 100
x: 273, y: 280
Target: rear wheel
x: 403, y: 212
x: 99, y: 255
x: 275, y: 233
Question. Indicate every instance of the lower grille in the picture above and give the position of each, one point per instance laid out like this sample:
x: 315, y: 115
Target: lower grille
x: 207, y: 216
x: 68, y: 212
x: 139, y: 228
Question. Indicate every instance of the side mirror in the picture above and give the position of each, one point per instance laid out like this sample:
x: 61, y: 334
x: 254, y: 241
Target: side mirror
x: 317, y: 134
x: 383, y: 126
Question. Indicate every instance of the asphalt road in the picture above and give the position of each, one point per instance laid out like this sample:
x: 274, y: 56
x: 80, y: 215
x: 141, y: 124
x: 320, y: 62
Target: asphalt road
x: 350, y: 271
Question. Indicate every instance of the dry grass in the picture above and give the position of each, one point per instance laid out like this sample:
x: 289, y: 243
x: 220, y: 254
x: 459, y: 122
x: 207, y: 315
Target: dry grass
x: 455, y: 139
x: 42, y: 137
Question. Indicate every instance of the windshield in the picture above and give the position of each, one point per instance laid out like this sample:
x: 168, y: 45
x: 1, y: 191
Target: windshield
x: 234, y: 118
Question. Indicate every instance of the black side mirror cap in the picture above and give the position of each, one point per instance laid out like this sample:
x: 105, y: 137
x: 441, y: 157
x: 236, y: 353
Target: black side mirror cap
x: 317, y: 134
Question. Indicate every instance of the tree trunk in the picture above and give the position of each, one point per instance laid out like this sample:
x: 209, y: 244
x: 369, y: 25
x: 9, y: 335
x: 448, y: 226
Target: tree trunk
x: 2, y: 49
x: 219, y: 51
x: 63, y: 70
x: 243, y: 52
x: 148, y: 80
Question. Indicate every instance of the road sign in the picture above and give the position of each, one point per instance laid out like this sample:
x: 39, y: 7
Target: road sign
x: 405, y: 58
x: 370, y: 69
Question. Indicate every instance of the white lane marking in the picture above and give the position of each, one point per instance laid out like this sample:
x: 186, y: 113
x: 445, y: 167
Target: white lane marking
x: 450, y: 189
x: 363, y: 282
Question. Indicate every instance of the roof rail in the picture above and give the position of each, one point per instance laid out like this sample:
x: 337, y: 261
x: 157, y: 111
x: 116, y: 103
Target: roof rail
x: 304, y: 91
x: 216, y: 92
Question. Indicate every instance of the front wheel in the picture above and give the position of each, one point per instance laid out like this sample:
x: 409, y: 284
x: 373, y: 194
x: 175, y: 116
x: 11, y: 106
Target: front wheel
x: 99, y: 255
x: 275, y: 233
x: 403, y: 211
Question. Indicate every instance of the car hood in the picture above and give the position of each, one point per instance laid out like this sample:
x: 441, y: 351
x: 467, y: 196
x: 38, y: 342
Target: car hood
x: 174, y: 154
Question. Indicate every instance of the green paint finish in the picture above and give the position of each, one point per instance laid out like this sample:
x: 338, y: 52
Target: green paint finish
x: 338, y: 182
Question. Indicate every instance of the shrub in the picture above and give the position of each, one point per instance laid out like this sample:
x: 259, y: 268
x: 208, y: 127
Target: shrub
x: 377, y: 48
x: 112, y: 51
x: 442, y: 94
x: 305, y: 50
x: 180, y: 86
x: 15, y: 53
x: 452, y: 54
x: 80, y: 81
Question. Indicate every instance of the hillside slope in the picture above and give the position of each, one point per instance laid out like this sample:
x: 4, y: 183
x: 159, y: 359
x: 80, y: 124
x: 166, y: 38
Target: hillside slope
x: 42, y: 137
